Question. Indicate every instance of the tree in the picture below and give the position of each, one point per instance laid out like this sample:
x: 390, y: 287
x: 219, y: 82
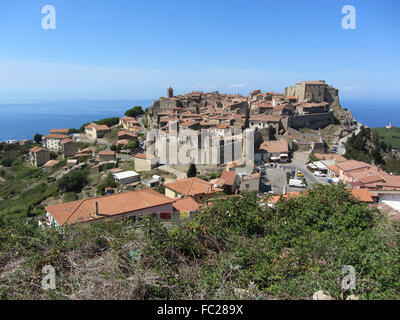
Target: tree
x: 73, y: 181
x: 82, y: 127
x: 53, y: 155
x: 37, y: 138
x: 7, y: 162
x: 192, y: 171
x: 109, y: 182
x: 130, y: 145
x: 134, y: 112
x: 109, y: 121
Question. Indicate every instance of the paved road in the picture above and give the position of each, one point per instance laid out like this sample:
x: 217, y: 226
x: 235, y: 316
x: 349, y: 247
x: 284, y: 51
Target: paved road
x: 311, y: 179
x: 177, y: 173
x: 106, y: 143
x: 342, y: 142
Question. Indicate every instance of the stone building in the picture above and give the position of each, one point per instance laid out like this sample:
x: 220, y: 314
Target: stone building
x: 69, y: 147
x: 315, y: 91
x: 39, y: 156
x: 106, y: 156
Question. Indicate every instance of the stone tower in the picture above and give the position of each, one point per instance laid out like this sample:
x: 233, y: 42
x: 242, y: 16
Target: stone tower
x: 170, y: 92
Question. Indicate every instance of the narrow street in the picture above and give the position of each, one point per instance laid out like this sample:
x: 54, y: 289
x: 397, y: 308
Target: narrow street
x: 177, y: 173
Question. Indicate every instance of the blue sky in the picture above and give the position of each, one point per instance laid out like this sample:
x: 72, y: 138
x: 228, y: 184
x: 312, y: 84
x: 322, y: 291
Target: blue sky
x: 135, y: 49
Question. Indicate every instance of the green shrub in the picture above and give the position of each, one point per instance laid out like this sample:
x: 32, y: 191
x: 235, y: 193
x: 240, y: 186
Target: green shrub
x: 73, y: 181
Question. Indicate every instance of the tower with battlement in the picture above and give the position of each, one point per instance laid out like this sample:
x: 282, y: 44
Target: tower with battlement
x: 170, y: 92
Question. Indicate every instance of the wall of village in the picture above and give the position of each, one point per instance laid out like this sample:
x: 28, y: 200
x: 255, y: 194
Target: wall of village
x: 312, y: 121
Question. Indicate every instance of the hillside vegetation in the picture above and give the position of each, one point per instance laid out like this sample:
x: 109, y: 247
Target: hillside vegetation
x: 390, y: 136
x: 239, y: 248
x: 369, y: 146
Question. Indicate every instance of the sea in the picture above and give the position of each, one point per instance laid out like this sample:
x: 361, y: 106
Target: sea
x: 23, y: 120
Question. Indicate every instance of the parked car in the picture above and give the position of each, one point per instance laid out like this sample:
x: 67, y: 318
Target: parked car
x: 319, y: 174
x: 296, y: 183
x: 299, y: 174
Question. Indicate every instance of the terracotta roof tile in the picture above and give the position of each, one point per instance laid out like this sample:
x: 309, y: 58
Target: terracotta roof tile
x: 186, y: 204
x: 362, y: 195
x: 108, y: 206
x: 229, y: 177
x: 192, y: 186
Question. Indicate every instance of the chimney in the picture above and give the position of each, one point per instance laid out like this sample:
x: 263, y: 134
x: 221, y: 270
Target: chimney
x: 96, y: 209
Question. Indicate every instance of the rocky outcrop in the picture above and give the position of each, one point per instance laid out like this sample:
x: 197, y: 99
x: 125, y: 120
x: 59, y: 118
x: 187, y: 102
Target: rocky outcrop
x: 322, y: 295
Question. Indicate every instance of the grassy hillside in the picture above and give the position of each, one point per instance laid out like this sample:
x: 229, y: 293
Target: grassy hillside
x: 389, y: 136
x: 369, y: 146
x: 237, y: 249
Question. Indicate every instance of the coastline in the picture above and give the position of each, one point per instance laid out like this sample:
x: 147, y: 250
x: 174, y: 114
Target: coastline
x: 23, y: 120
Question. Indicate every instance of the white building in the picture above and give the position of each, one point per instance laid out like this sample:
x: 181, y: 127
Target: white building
x: 52, y: 141
x: 126, y: 177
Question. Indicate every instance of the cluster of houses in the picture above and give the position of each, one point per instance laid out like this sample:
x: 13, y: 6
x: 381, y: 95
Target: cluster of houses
x: 59, y: 140
x: 370, y: 181
x: 269, y: 114
x: 182, y: 198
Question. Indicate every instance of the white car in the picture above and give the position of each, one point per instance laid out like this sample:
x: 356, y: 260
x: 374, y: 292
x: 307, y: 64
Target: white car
x: 319, y: 174
x: 296, y: 183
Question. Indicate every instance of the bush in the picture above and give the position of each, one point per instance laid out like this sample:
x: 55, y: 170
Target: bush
x: 134, y: 112
x: 70, y: 196
x: 7, y: 162
x: 192, y: 171
x: 73, y: 181
x: 132, y: 145
x: 37, y: 138
x: 108, y: 182
x: 108, y: 121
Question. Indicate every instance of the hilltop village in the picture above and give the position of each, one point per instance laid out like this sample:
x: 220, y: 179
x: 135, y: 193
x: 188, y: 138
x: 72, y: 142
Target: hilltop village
x: 110, y: 169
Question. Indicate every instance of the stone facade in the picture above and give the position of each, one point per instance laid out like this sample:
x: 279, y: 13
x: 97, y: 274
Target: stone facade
x: 39, y: 156
x: 316, y: 91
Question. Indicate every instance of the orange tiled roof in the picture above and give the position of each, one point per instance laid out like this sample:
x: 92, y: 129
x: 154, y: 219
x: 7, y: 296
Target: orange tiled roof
x: 186, y: 204
x: 37, y: 149
x: 108, y: 206
x: 350, y: 165
x: 59, y: 131
x: 99, y: 127
x: 106, y: 153
x: 334, y: 169
x: 51, y: 163
x: 56, y: 136
x: 66, y: 140
x: 122, y: 142
x: 143, y: 156
x: 312, y: 82
x: 192, y: 186
x: 362, y: 195
x: 280, y: 146
x: 121, y: 133
x: 275, y: 199
x: 229, y: 177
x: 330, y: 156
